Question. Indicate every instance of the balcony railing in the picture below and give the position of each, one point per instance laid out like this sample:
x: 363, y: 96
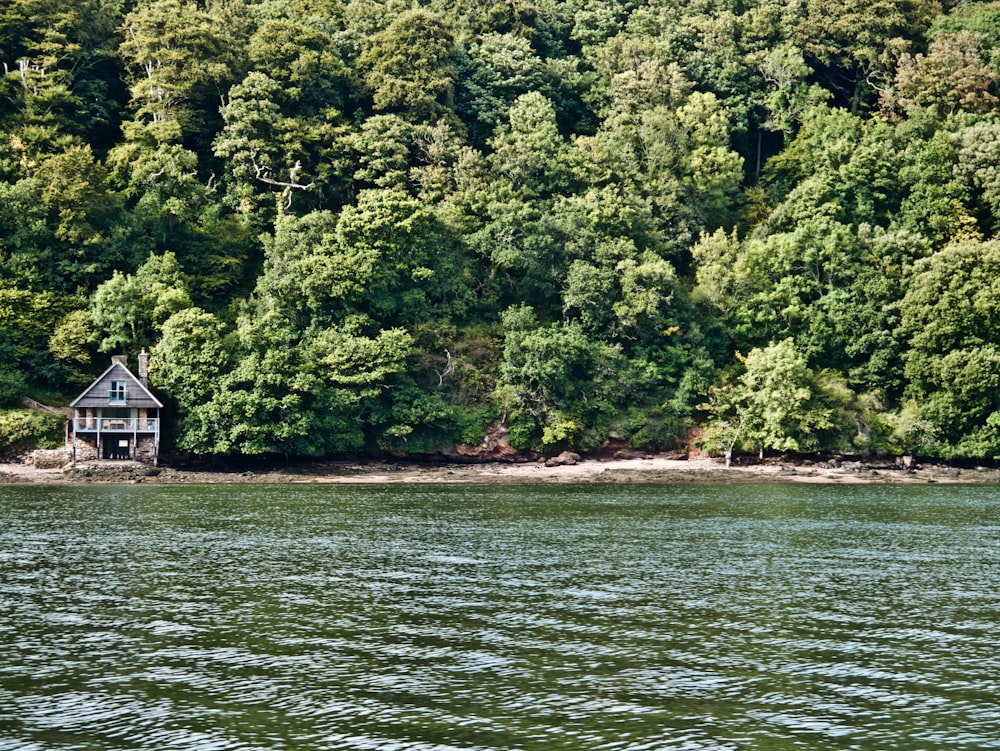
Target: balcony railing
x: 116, y: 424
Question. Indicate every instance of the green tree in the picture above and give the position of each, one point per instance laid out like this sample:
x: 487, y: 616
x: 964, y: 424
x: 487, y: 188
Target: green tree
x: 978, y: 166
x: 129, y: 309
x: 268, y: 402
x: 950, y: 316
x: 529, y: 153
x: 935, y: 201
x: 66, y: 78
x: 249, y: 141
x: 177, y: 61
x: 711, y: 172
x: 388, y: 257
x: 302, y: 56
x: 789, y: 97
x: 304, y: 60
x: 777, y: 403
x: 557, y: 387
x: 494, y: 71
x: 266, y: 388
x: 854, y: 45
x: 73, y: 345
x: 382, y: 151
x: 676, y: 159
x: 194, y: 352
x: 27, y: 318
x: 54, y: 223
x: 407, y: 66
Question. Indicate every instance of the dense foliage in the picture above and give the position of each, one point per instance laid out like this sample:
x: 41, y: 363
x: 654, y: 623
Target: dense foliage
x: 22, y: 429
x: 346, y: 225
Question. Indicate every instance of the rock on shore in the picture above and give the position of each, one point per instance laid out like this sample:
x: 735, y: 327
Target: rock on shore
x: 563, y: 468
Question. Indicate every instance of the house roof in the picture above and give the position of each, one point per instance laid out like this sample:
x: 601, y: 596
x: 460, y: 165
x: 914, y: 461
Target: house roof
x: 97, y: 393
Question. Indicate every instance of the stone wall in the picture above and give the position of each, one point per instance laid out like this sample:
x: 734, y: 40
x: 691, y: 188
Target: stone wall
x: 50, y: 458
x: 145, y: 449
x: 86, y: 448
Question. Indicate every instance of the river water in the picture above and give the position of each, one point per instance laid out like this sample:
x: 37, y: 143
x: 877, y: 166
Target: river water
x: 414, y: 618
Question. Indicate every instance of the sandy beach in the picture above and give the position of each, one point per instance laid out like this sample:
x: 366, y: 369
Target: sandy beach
x: 656, y: 469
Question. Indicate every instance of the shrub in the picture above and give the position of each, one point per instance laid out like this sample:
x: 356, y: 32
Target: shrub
x: 23, y: 429
x: 12, y: 386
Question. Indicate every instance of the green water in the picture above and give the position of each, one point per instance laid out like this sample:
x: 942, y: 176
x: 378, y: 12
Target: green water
x: 468, y: 617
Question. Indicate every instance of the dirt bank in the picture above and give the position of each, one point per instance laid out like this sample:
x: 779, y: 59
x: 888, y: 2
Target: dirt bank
x: 658, y: 469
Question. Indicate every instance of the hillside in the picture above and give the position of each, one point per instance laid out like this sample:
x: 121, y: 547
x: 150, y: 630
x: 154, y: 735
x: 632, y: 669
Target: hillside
x: 345, y: 226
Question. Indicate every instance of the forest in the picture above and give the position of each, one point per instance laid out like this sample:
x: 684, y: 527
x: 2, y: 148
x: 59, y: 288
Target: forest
x: 384, y: 225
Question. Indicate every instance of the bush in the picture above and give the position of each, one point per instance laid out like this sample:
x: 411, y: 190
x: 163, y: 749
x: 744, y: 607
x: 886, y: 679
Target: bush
x: 658, y: 428
x: 23, y: 429
x: 473, y: 423
x: 12, y: 387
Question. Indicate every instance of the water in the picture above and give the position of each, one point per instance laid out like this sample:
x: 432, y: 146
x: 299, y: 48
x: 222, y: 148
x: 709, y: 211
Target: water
x: 469, y: 617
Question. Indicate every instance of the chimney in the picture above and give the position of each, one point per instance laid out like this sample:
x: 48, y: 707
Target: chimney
x: 144, y: 367
x: 119, y: 360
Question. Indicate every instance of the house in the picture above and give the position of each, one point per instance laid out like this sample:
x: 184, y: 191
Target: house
x: 117, y: 417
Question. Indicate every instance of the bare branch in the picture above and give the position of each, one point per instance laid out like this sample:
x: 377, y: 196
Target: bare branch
x: 151, y: 178
x: 449, y: 369
x: 263, y: 174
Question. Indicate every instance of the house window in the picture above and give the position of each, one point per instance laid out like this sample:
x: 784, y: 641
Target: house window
x: 117, y: 393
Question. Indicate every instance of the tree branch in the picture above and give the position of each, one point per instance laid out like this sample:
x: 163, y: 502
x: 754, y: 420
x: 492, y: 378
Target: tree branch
x: 263, y: 174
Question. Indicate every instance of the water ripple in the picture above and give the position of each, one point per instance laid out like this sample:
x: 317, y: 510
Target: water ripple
x: 419, y: 619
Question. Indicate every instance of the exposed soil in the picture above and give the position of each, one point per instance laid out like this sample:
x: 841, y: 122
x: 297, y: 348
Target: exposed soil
x: 649, y: 469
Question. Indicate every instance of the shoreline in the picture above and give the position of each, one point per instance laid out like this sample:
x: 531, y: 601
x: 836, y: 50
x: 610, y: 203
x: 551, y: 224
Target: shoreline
x: 650, y: 470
